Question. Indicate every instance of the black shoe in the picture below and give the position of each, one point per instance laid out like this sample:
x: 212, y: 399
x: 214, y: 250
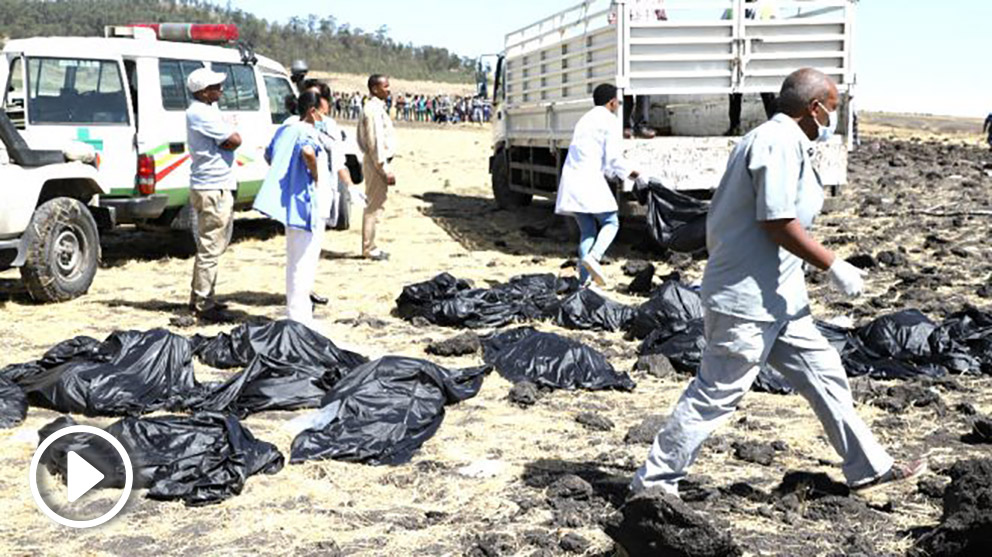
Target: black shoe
x: 317, y: 299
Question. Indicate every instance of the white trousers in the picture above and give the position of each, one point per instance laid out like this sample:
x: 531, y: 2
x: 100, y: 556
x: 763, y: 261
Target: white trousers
x: 736, y: 348
x: 302, y: 256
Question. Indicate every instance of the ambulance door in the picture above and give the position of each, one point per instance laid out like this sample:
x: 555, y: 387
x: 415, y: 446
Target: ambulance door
x: 162, y: 132
x: 83, y: 99
x: 241, y: 106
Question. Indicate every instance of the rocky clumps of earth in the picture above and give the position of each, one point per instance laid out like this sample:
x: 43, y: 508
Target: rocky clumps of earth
x: 656, y: 523
x: 966, y: 525
x: 458, y: 345
x: 524, y: 394
x: 594, y: 421
x: 754, y: 452
x: 645, y: 432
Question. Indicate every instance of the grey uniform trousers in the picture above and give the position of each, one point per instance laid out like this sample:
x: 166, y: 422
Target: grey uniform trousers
x: 735, y: 350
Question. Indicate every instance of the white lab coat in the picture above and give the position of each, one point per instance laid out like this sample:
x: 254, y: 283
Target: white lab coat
x: 594, y: 154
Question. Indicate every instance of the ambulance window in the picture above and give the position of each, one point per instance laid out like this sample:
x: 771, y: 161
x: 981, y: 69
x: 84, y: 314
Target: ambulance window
x: 277, y: 89
x: 240, y: 91
x: 172, y: 76
x: 74, y: 91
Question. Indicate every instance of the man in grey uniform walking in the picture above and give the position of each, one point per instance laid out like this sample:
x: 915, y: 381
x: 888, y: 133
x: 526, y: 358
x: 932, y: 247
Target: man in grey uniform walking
x: 756, y: 308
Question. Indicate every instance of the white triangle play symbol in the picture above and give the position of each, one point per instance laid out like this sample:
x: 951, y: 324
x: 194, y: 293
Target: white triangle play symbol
x: 81, y: 476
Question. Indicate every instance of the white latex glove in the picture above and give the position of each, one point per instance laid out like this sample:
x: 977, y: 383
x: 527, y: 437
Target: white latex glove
x: 846, y: 278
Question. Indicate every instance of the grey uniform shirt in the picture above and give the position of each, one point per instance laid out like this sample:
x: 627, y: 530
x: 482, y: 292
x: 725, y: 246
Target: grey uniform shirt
x: 212, y: 166
x: 769, y: 177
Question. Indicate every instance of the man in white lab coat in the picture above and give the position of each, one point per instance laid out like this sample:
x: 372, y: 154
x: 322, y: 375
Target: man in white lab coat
x: 593, y: 156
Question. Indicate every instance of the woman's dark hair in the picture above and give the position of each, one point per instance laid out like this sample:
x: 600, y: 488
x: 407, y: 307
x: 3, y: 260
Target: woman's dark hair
x: 290, y: 103
x: 323, y: 88
x: 308, y: 99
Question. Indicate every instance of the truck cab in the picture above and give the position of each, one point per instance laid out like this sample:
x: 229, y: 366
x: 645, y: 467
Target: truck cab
x: 687, y: 58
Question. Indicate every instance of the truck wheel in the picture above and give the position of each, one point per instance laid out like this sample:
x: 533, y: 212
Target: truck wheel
x: 63, y: 251
x: 505, y: 198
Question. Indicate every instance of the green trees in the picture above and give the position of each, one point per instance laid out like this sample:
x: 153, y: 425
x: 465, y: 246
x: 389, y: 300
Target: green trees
x: 325, y: 43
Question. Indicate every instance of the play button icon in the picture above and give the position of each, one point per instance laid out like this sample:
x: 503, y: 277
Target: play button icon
x: 79, y: 505
x: 81, y: 478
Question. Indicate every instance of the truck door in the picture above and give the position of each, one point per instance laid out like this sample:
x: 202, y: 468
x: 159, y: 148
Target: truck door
x: 86, y: 100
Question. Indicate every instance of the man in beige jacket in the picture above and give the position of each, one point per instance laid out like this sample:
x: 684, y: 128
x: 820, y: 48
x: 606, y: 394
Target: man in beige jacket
x: 377, y: 140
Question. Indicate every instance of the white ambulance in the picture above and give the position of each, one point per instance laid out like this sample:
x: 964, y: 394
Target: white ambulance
x: 124, y: 95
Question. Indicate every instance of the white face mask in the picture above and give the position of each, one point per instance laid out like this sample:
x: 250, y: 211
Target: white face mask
x: 826, y: 132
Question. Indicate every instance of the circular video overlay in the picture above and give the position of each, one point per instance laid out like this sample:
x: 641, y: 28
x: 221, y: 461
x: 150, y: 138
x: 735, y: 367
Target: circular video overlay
x: 86, y: 461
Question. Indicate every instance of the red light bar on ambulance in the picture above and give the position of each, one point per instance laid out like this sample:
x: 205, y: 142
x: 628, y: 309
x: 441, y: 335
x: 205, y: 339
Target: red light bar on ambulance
x: 194, y: 32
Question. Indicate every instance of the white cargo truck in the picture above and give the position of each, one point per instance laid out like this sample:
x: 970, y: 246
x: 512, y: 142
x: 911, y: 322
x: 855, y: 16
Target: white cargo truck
x: 688, y: 59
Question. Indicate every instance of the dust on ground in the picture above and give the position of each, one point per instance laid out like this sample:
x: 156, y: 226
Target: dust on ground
x: 441, y: 217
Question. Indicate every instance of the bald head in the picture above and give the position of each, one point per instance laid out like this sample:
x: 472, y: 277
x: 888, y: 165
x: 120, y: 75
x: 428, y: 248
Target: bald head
x: 802, y: 88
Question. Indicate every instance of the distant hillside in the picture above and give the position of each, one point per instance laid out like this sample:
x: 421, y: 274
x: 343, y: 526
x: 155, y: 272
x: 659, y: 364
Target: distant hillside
x: 325, y: 43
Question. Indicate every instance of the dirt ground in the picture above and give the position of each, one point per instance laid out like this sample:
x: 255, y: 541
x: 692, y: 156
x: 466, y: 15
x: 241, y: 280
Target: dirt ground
x: 441, y: 218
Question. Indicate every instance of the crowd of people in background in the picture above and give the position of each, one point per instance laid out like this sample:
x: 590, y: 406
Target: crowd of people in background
x: 405, y: 107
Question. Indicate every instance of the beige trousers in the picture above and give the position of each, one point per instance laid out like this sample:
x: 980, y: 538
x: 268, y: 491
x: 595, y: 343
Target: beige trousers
x: 375, y: 192
x: 214, y: 226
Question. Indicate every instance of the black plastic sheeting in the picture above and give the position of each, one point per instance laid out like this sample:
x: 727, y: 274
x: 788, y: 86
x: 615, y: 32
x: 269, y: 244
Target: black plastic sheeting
x: 671, y: 307
x: 130, y: 373
x: 384, y: 410
x: 451, y: 302
x: 908, y: 344
x: 677, y: 221
x: 13, y: 404
x: 552, y: 361
x: 588, y: 310
x: 288, y: 366
x: 199, y: 459
x: 963, y: 342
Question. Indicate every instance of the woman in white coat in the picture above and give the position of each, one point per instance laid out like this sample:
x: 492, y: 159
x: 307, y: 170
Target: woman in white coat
x: 594, y: 154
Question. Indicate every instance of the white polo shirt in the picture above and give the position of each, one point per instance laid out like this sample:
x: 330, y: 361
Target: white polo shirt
x: 213, y: 167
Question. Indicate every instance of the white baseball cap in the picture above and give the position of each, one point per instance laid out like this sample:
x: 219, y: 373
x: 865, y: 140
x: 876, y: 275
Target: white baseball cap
x: 202, y: 78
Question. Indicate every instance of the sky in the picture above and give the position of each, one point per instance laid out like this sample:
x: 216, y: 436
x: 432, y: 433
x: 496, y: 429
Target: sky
x: 910, y: 55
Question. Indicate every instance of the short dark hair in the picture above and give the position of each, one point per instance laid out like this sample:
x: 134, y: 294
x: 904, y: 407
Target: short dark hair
x: 603, y: 94
x: 374, y: 80
x: 323, y: 88
x: 308, y: 99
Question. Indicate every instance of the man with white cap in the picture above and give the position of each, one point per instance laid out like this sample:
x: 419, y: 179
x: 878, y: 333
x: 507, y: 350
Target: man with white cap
x: 212, y: 143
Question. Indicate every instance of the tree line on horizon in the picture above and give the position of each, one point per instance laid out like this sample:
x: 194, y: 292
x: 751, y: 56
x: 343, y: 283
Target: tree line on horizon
x: 325, y: 43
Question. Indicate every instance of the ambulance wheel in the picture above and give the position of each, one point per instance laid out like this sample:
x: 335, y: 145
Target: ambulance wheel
x: 63, y: 251
x: 504, y: 196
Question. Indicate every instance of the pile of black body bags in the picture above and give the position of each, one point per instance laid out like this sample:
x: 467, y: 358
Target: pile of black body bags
x: 669, y: 323
x: 383, y: 410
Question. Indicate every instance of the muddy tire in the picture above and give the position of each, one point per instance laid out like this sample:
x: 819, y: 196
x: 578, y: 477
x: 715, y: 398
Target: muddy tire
x: 505, y: 198
x: 63, y: 251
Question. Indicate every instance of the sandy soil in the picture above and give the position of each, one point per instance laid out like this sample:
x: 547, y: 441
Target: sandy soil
x: 441, y: 218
